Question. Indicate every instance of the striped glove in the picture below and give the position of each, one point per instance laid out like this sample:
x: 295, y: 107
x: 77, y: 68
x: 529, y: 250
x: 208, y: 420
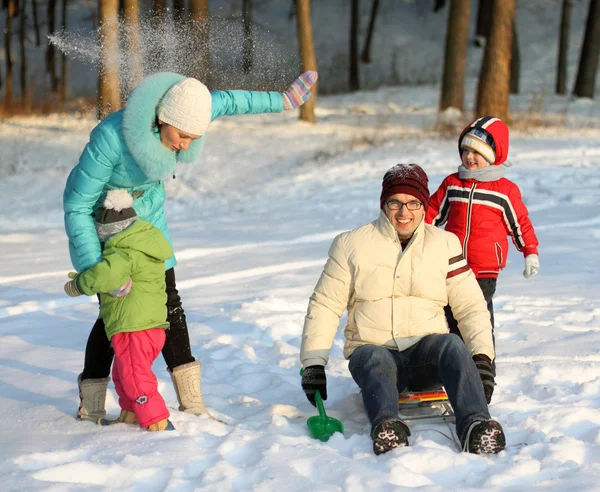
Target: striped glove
x: 299, y: 92
x: 71, y: 286
x: 484, y: 367
x: 123, y: 290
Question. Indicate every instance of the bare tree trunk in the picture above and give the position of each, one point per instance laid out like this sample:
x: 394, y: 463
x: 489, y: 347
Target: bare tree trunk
x: 455, y: 58
x: 23, y: 53
x: 36, y: 24
x: 8, y: 94
x: 494, y: 79
x: 132, y: 43
x: 354, y: 25
x: 159, y: 9
x: 178, y: 10
x: 200, y: 20
x: 109, y: 95
x: 63, y: 57
x: 50, y: 51
x: 588, y: 60
x: 484, y: 21
x: 563, y: 47
x: 248, y: 47
x: 307, y: 54
x: 366, y: 53
x: 515, y: 63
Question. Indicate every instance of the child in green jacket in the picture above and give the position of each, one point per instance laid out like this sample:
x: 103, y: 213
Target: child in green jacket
x: 134, y: 254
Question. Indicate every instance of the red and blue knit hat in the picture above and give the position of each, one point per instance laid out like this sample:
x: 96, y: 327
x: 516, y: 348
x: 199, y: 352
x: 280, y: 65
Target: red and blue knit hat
x: 409, y: 179
x: 487, y: 136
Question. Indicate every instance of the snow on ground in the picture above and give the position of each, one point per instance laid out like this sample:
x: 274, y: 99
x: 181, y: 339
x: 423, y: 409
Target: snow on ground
x: 252, y: 224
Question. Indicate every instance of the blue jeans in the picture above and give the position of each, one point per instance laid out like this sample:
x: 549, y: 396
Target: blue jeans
x: 435, y: 360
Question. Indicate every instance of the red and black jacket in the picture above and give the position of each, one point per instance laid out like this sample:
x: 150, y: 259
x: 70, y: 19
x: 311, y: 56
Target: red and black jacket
x: 484, y: 214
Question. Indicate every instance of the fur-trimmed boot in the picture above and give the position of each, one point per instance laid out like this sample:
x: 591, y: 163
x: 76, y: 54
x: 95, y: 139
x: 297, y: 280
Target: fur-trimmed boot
x: 92, y: 398
x: 125, y: 417
x: 187, y: 381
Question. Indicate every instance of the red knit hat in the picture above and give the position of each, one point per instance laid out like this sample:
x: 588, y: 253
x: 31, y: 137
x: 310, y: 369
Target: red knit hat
x: 494, y: 129
x: 409, y: 179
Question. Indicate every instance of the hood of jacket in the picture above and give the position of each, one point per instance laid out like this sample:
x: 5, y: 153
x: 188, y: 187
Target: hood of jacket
x: 140, y: 133
x: 499, y: 132
x: 144, y: 237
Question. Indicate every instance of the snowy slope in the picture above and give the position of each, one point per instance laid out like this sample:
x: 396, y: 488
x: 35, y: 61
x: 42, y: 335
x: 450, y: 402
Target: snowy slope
x: 251, y: 225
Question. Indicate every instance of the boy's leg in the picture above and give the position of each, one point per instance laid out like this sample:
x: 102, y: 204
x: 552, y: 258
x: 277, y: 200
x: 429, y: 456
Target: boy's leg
x: 488, y: 287
x: 375, y: 370
x: 136, y: 352
x: 125, y: 402
x: 177, y: 350
x: 444, y: 359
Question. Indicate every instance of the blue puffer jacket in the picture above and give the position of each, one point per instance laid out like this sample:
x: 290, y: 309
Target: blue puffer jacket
x: 125, y: 152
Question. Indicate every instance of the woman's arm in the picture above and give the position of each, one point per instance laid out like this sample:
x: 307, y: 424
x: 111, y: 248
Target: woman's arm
x: 84, y: 187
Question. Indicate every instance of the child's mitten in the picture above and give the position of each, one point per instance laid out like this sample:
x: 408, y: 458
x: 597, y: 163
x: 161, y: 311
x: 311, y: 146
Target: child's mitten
x: 299, y: 92
x: 532, y: 266
x: 71, y: 286
x: 123, y: 290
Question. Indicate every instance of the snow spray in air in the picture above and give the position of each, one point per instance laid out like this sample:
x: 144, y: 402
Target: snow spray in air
x: 216, y: 52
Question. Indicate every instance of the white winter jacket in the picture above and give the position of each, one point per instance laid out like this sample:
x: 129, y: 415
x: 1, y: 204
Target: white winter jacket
x: 394, y: 297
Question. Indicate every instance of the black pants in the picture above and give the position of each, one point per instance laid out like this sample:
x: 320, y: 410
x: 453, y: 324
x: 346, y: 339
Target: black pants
x: 99, y: 353
x: 488, y: 287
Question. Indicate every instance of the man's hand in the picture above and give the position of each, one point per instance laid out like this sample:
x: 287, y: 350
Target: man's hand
x: 484, y: 367
x: 299, y: 92
x: 123, y: 290
x: 314, y: 379
x: 71, y: 288
x: 532, y: 266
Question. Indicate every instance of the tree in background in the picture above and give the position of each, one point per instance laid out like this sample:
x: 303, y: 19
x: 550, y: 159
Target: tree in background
x: 23, y: 53
x: 455, y: 58
x: 109, y: 97
x: 308, y: 60
x: 50, y: 50
x: 588, y: 60
x: 248, y: 44
x: 366, y: 53
x: 132, y: 43
x: 200, y: 19
x: 563, y: 47
x: 354, y: 25
x: 494, y: 78
x: 484, y: 21
x: 8, y: 94
x: 62, y: 90
x: 515, y: 62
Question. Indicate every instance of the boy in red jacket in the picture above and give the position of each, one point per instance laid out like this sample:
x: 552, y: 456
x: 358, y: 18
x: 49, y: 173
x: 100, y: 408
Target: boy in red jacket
x: 483, y: 208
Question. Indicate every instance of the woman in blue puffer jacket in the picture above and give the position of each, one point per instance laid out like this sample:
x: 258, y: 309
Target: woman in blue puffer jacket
x: 163, y: 124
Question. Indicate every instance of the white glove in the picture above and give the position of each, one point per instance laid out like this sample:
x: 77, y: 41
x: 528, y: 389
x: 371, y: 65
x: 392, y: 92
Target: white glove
x: 532, y: 266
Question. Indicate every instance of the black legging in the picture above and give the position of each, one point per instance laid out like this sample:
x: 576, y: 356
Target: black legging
x: 99, y: 353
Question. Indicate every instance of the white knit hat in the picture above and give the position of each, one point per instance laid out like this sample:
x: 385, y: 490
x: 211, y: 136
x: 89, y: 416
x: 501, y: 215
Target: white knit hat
x: 187, y: 106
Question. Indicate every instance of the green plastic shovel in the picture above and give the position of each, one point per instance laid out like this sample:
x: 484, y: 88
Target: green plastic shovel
x: 321, y: 426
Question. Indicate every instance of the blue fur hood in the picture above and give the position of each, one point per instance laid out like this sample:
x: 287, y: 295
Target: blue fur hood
x: 139, y: 130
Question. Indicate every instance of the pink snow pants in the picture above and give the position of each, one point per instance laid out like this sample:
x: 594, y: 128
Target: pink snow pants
x: 132, y: 374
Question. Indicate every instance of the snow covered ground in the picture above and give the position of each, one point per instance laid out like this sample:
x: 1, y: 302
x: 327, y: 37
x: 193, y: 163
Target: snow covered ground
x: 252, y: 224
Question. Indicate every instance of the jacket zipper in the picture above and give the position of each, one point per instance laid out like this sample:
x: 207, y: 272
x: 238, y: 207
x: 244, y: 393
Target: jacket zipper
x: 468, y: 228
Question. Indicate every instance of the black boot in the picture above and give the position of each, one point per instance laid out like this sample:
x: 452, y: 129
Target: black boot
x: 484, y: 437
x: 388, y: 435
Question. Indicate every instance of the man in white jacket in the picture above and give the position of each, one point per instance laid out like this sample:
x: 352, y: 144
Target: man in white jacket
x: 395, y: 275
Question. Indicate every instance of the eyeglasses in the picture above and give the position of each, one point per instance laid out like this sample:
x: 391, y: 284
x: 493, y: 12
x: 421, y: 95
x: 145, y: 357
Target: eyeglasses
x: 396, y: 205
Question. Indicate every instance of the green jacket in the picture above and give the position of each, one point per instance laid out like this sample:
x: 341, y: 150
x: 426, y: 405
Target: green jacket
x: 138, y: 252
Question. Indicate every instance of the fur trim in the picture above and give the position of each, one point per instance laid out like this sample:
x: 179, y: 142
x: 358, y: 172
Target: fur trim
x: 118, y: 200
x: 139, y: 133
